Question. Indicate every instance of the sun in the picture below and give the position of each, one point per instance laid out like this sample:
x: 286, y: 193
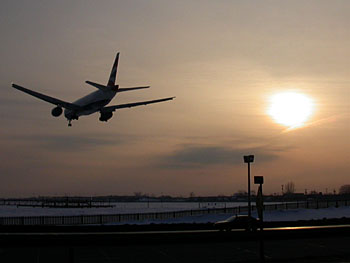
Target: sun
x: 290, y: 109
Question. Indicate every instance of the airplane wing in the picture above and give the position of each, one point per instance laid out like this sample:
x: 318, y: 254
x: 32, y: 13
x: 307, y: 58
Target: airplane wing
x: 49, y: 99
x: 134, y: 104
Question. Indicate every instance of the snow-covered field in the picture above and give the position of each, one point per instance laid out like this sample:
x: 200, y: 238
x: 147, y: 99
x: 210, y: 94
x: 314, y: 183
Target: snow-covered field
x: 144, y: 207
x: 278, y: 215
x: 118, y: 208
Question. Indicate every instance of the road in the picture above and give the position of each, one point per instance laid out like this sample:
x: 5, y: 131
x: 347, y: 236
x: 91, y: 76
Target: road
x: 326, y: 244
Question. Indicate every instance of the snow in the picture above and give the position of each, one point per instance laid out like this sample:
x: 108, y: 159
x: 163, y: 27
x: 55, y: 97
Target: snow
x: 144, y: 207
x: 307, y: 214
x: 118, y: 208
x: 278, y: 215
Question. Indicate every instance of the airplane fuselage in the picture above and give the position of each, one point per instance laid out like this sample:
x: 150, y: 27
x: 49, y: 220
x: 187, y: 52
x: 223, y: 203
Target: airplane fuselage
x: 90, y: 103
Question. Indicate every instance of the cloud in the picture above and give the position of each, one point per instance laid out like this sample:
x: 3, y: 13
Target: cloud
x: 76, y: 143
x: 198, y: 156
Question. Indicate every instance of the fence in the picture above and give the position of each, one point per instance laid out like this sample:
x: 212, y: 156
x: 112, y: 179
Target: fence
x: 113, y: 218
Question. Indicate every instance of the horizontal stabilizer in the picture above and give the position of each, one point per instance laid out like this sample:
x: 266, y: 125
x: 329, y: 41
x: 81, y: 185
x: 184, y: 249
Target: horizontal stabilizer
x: 98, y: 86
x: 133, y: 88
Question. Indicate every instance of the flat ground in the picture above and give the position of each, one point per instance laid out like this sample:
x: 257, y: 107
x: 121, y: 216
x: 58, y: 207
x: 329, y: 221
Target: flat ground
x: 208, y: 247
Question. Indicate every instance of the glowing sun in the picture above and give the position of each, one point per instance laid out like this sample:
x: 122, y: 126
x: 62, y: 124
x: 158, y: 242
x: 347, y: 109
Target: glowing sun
x: 290, y: 109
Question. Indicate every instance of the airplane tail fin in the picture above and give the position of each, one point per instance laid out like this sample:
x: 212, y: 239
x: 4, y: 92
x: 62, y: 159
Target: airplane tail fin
x: 112, y: 77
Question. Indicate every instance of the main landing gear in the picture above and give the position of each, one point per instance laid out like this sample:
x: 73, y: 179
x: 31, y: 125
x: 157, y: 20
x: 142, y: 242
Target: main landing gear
x: 70, y: 118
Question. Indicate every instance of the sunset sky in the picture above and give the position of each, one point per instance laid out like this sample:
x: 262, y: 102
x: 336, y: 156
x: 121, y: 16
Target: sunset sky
x: 223, y: 60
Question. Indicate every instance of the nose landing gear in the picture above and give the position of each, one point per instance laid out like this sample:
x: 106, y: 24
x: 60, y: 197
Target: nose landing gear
x: 69, y: 123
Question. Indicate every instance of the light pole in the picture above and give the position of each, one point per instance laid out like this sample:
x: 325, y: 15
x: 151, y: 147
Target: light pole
x: 249, y: 159
x: 260, y: 208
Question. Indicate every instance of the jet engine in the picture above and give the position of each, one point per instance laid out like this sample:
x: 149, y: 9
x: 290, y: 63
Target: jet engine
x: 57, y: 111
x: 105, y: 116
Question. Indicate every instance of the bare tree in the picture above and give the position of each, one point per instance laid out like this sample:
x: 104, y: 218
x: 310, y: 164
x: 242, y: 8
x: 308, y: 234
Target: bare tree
x: 138, y: 194
x: 241, y: 193
x: 289, y: 188
x: 344, y: 189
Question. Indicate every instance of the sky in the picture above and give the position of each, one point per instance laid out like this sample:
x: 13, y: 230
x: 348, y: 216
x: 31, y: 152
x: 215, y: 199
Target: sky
x: 223, y: 60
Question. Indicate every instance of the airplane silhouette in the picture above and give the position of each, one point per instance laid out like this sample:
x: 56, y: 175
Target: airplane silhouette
x: 94, y: 102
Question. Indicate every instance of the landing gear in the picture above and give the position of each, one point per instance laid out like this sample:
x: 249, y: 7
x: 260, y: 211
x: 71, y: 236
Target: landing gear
x: 71, y: 117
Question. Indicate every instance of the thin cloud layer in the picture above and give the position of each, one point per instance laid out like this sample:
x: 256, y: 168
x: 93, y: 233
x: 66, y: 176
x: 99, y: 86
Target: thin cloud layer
x: 76, y: 142
x: 198, y: 156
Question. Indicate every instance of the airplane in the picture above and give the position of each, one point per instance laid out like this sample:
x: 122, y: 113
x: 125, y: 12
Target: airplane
x: 94, y: 102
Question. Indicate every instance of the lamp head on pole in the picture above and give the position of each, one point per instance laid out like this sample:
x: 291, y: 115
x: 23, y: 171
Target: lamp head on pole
x: 258, y: 179
x: 248, y: 158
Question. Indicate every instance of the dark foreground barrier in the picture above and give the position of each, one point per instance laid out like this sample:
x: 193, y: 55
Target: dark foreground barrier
x: 116, y: 218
